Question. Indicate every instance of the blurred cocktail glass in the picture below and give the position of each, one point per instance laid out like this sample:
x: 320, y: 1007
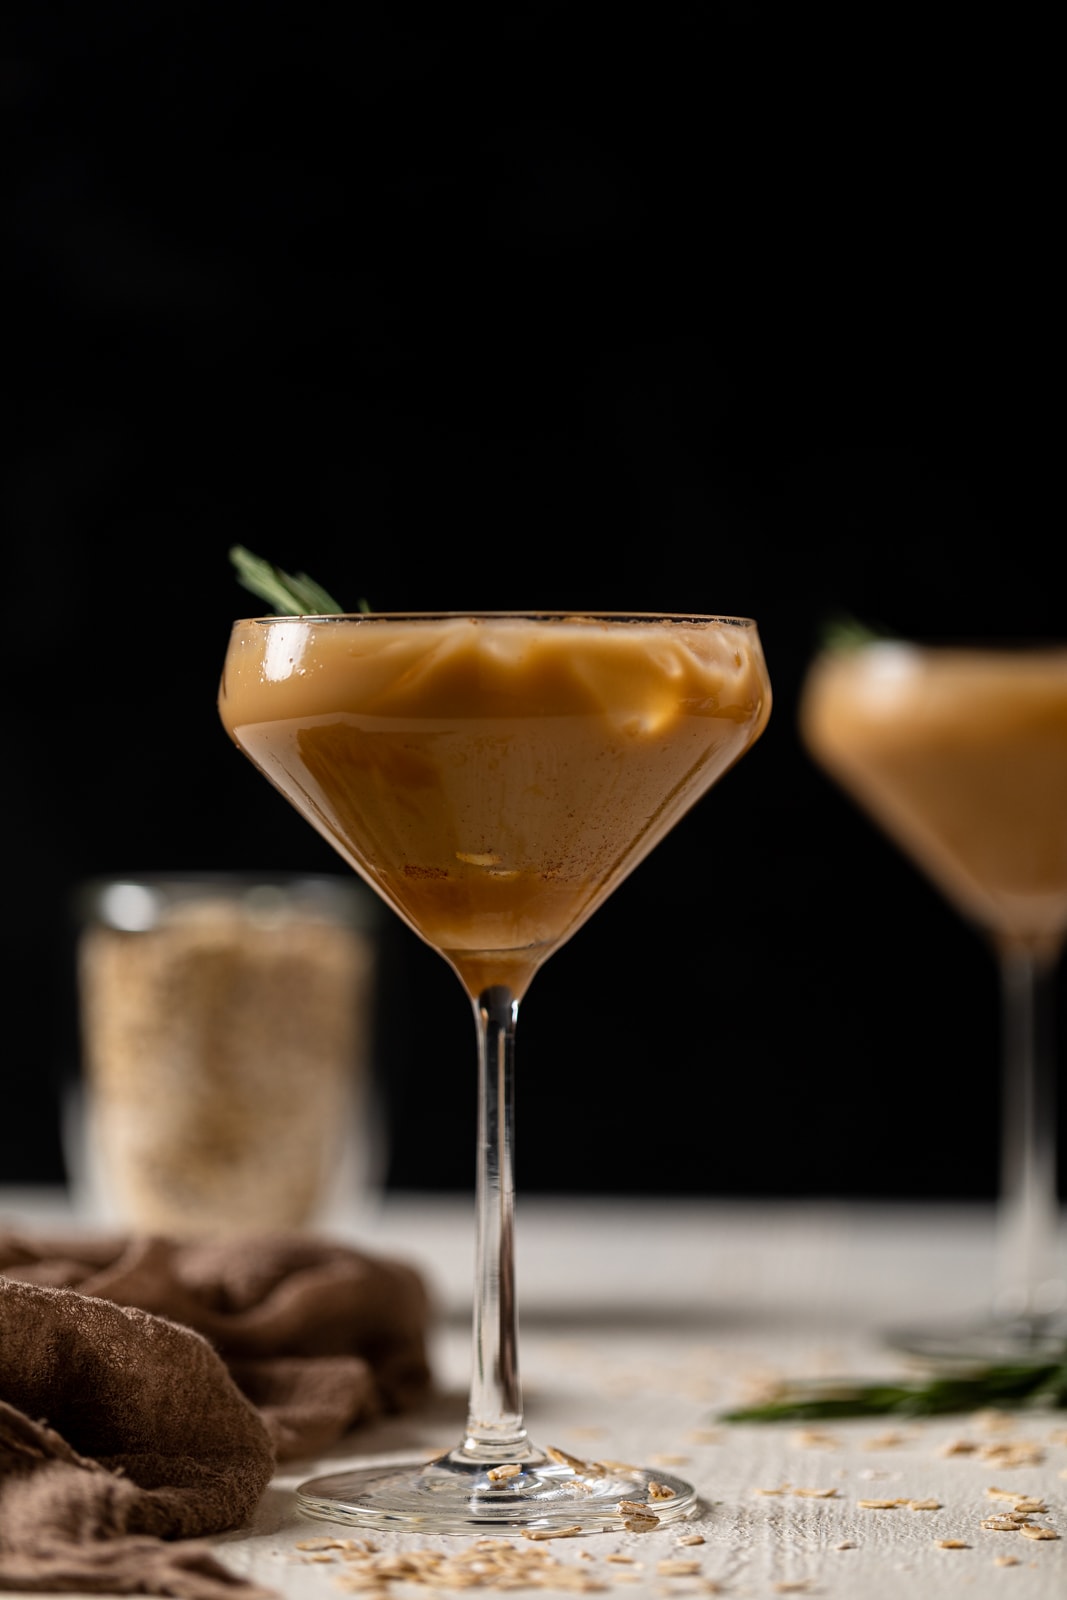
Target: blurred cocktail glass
x: 959, y: 753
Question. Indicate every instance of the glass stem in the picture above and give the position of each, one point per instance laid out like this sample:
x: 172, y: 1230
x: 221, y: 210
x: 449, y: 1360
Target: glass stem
x: 495, y: 1427
x: 1028, y: 1206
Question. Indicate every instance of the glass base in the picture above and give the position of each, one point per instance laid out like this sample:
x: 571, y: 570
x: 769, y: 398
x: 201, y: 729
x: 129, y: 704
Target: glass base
x: 456, y: 1494
x: 984, y: 1341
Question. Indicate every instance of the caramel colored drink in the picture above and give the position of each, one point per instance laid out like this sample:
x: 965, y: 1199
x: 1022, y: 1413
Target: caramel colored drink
x: 494, y: 779
x: 961, y: 756
x: 494, y: 776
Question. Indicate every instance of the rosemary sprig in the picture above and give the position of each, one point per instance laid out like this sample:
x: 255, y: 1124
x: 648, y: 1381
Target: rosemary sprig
x: 1021, y: 1383
x: 291, y: 595
x: 842, y: 631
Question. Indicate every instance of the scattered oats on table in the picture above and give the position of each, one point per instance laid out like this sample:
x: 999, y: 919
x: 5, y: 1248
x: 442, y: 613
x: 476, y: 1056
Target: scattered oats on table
x: 553, y: 1533
x: 993, y: 1421
x: 815, y: 1439
x: 1014, y: 1453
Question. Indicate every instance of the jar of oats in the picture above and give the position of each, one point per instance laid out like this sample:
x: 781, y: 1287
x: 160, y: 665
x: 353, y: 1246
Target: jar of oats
x: 226, y: 1028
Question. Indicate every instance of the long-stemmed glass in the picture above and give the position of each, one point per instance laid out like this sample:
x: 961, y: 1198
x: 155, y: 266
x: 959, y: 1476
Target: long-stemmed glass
x: 960, y: 754
x: 494, y: 777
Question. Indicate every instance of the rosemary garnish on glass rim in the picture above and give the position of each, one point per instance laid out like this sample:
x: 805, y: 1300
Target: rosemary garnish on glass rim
x: 842, y: 631
x: 290, y: 594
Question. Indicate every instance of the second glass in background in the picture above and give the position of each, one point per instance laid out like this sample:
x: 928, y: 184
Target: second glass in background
x: 959, y: 753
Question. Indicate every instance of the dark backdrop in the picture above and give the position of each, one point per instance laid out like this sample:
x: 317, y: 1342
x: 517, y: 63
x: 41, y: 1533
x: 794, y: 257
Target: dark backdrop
x: 692, y: 308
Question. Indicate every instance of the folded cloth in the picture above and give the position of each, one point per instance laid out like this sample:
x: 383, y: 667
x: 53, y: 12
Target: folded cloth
x: 149, y: 1386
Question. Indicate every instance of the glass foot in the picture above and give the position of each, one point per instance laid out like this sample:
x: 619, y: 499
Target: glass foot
x: 454, y: 1494
x: 985, y: 1341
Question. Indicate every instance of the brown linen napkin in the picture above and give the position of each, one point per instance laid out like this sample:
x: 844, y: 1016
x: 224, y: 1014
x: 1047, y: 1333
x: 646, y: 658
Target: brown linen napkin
x: 148, y: 1386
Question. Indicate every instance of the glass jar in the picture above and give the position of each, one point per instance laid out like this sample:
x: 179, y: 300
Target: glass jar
x: 226, y: 1030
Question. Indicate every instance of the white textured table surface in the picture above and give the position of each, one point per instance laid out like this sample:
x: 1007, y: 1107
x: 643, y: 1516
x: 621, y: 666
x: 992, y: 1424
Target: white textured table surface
x: 639, y: 1323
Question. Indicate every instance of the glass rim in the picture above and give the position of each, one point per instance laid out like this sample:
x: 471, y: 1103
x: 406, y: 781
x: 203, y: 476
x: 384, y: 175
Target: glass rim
x: 692, y: 618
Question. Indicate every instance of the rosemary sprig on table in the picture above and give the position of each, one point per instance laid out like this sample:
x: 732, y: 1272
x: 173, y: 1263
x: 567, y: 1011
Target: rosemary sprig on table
x: 1020, y: 1383
x: 290, y: 594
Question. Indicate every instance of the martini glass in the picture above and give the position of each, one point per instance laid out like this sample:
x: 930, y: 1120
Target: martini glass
x: 959, y: 753
x: 494, y: 777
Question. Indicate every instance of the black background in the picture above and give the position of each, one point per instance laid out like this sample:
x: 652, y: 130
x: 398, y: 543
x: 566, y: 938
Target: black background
x: 698, y: 308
